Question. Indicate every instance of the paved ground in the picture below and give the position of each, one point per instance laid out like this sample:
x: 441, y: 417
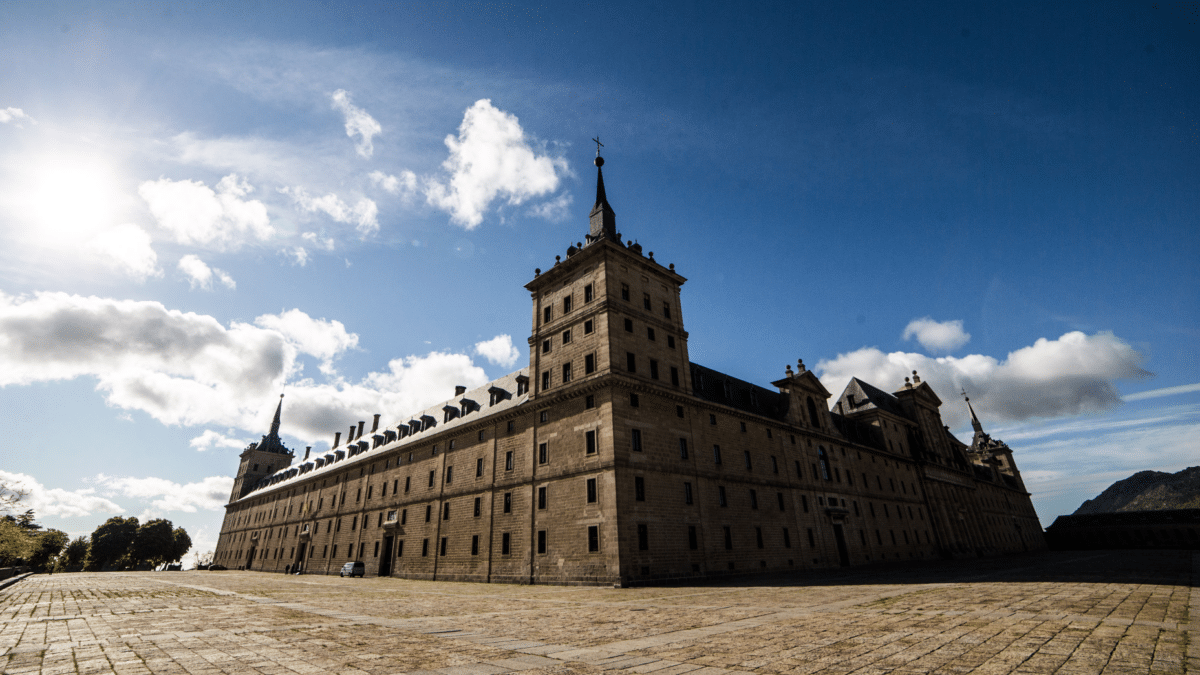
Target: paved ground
x: 1088, y: 612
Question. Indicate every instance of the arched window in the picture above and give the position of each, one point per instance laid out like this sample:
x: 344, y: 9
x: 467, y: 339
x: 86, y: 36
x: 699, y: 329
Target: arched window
x: 812, y: 413
x: 822, y: 458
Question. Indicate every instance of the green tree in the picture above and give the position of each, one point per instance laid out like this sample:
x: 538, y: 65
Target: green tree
x: 75, y: 553
x: 15, y: 543
x: 154, y: 543
x: 45, y: 547
x: 111, y: 542
x: 183, y: 543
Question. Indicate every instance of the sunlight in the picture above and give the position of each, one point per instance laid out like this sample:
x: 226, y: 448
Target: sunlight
x: 71, y: 197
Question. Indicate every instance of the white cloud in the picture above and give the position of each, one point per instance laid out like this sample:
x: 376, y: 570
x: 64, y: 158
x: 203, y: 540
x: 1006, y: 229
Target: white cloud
x: 491, y: 159
x: 323, y: 339
x: 325, y: 243
x: 555, y: 210
x: 937, y: 336
x: 211, y: 439
x: 194, y: 214
x: 499, y: 350
x: 405, y: 183
x: 363, y: 214
x: 210, y: 494
x: 299, y: 255
x: 200, y: 275
x: 127, y: 248
x: 1051, y: 378
x: 358, y: 122
x: 1165, y: 391
x: 189, y: 369
x: 57, y: 501
x: 15, y: 116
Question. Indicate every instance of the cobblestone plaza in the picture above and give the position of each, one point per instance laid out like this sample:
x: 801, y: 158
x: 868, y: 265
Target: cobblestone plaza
x: 1082, y: 612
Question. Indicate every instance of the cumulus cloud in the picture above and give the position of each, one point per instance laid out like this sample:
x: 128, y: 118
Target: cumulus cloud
x: 490, y: 159
x: 555, y: 210
x: 15, y: 116
x: 499, y: 350
x: 200, y: 275
x: 210, y: 494
x: 1051, y: 378
x: 323, y: 339
x: 188, y: 369
x: 937, y: 336
x: 127, y: 248
x: 405, y: 184
x: 364, y: 214
x: 195, y: 214
x: 318, y: 241
x: 56, y: 501
x: 211, y: 439
x: 299, y: 255
x: 358, y: 122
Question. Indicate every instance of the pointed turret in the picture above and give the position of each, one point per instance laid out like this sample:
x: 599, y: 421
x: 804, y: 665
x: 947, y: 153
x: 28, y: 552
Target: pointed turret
x: 603, y: 219
x: 275, y: 422
x: 975, y: 420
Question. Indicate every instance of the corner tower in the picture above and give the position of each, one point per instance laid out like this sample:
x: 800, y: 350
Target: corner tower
x: 261, y: 459
x: 607, y: 309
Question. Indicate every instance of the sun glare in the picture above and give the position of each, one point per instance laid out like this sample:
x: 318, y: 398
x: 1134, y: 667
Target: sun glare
x: 71, y: 197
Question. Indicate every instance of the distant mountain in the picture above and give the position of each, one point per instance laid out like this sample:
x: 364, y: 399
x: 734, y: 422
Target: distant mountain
x: 1148, y: 491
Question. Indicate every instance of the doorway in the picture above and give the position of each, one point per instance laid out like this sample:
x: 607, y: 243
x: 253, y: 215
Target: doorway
x: 385, y: 560
x: 843, y: 552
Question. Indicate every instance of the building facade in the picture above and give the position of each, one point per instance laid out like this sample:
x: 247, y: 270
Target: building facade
x: 613, y: 459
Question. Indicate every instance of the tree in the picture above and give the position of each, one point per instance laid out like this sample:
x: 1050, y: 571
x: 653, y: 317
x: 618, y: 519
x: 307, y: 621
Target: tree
x: 46, y: 546
x: 15, y: 543
x: 154, y: 543
x: 111, y: 542
x: 182, y: 544
x: 75, y: 553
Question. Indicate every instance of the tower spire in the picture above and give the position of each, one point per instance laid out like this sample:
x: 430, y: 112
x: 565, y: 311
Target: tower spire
x: 974, y: 419
x: 275, y: 422
x: 602, y: 218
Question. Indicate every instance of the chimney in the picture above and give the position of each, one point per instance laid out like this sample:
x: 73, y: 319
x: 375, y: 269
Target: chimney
x: 337, y: 438
x: 375, y: 426
x: 360, y: 428
x: 307, y: 451
x: 460, y: 390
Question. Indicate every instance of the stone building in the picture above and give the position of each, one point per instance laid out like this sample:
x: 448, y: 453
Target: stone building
x: 613, y: 459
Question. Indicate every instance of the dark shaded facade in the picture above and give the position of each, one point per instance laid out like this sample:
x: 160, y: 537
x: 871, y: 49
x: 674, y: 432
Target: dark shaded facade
x: 1174, y: 529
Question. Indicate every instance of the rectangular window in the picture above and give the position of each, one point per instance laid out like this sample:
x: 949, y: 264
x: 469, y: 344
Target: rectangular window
x: 511, y: 426
x: 588, y: 327
x: 746, y: 454
x: 543, y: 454
x: 443, y: 551
x: 566, y: 372
x: 687, y: 492
x: 646, y: 301
x: 376, y: 550
x: 428, y: 512
x: 591, y: 490
x: 625, y: 292
x: 446, y: 511
x: 404, y: 516
x: 508, y: 461
x: 541, y: 541
x: 758, y: 536
x: 407, y: 483
x: 628, y: 325
x: 693, y: 540
x: 542, y: 497
x: 712, y: 419
x: 721, y: 501
x: 630, y: 362
x: 370, y: 489
x: 728, y: 538
x: 674, y: 376
x: 399, y: 548
x: 683, y: 454
x: 754, y: 499
x: 679, y: 411
x: 566, y: 304
x: 354, y: 523
x: 424, y: 548
x: 774, y: 464
x: 639, y: 489
x: 334, y: 555
x: 590, y: 442
x: 431, y: 479
x: 587, y: 293
x: 787, y: 538
x: 543, y: 416
x: 637, y: 439
x: 504, y: 543
x: 671, y: 341
x: 449, y: 474
x: 508, y: 502
x: 479, y: 467
x: 474, y: 544
x: 799, y: 471
x: 666, y: 309
x: 546, y: 315
x: 593, y: 538
x: 589, y: 402
x: 545, y: 379
x: 812, y: 540
x: 643, y: 537
x: 358, y: 495
x: 634, y: 401
x: 589, y: 364
x: 546, y: 346
x: 716, y: 454
x: 653, y: 369
x: 478, y: 506
x: 649, y: 333
x: 779, y: 497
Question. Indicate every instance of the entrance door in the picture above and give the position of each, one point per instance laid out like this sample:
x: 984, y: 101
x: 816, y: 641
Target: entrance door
x: 250, y: 557
x: 299, y: 564
x: 385, y: 561
x: 843, y: 552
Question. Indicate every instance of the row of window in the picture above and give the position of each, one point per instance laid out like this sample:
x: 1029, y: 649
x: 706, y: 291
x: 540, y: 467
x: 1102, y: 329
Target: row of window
x: 646, y: 303
x: 567, y: 303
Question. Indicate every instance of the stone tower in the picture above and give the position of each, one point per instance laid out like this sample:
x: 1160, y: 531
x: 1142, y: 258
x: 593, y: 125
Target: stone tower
x: 261, y: 459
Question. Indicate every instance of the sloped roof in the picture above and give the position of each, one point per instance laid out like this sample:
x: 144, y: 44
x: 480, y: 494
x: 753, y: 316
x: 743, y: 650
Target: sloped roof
x: 717, y: 387
x: 871, y: 397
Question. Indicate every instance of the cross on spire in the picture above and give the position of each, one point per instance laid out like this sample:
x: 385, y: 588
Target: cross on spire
x: 599, y: 145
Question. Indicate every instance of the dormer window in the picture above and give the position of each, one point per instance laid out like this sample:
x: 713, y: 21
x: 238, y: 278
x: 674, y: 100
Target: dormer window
x: 427, y: 422
x: 522, y: 384
x: 389, y: 436
x: 449, y: 413
x: 468, y: 405
x: 378, y: 440
x: 414, y: 426
x: 495, y: 395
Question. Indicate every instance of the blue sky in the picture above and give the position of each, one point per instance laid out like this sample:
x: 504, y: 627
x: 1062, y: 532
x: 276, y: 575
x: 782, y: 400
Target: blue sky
x: 204, y: 204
